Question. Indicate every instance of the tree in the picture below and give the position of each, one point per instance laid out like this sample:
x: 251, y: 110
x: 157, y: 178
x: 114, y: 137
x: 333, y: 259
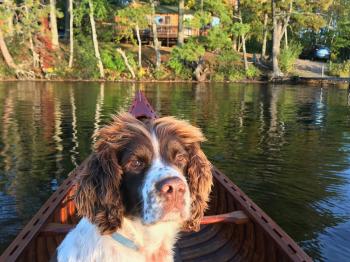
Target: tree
x: 180, y: 36
x: 7, y: 15
x: 256, y: 13
x: 305, y: 15
x: 32, y: 13
x: 5, y: 52
x: 94, y: 39
x: 279, y: 22
x: 134, y: 17
x: 265, y: 32
x: 241, y: 29
x: 71, y: 35
x: 337, y: 32
x: 126, y: 61
x: 53, y: 24
x: 156, y: 43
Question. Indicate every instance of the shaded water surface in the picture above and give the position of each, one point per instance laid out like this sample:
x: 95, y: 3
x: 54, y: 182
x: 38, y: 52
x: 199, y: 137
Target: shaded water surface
x: 287, y: 147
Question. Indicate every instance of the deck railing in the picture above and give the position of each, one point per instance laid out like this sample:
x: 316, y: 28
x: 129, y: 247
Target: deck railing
x: 167, y: 32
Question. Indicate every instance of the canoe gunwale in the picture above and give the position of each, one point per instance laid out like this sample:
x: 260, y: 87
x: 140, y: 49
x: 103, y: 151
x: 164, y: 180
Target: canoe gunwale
x: 33, y: 227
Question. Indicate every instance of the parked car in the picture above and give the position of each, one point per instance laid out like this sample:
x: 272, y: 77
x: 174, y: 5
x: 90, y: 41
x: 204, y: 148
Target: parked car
x: 316, y: 52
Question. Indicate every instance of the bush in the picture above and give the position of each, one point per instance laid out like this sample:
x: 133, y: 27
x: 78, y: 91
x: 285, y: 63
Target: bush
x: 252, y: 72
x: 218, y: 77
x: 227, y: 60
x: 340, y: 69
x: 160, y: 74
x: 112, y: 60
x: 217, y: 39
x: 183, y: 59
x: 236, y: 75
x: 288, y: 57
x: 5, y: 71
x: 85, y: 62
x: 228, y: 66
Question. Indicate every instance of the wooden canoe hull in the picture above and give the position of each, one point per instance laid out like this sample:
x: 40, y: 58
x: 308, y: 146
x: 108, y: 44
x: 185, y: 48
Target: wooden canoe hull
x: 255, y: 237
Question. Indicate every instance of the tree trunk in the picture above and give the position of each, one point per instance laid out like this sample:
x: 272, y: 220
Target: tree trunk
x: 155, y: 36
x: 180, y: 35
x: 53, y: 24
x: 5, y: 53
x: 137, y: 29
x: 244, y: 54
x: 243, y: 45
x: 122, y: 53
x: 94, y: 39
x: 200, y: 73
x: 235, y: 43
x: 286, y: 38
x: 71, y: 40
x: 36, y: 60
x: 276, y: 42
x: 279, y: 27
x: 263, y: 49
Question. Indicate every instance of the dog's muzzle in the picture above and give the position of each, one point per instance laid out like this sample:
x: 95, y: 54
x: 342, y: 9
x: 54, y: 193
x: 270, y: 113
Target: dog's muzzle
x: 171, y: 190
x: 166, y: 195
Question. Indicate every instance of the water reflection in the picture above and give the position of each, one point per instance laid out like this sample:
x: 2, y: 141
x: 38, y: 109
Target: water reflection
x: 286, y: 147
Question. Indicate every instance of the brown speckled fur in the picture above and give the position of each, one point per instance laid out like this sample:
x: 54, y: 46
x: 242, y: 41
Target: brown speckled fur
x: 98, y: 194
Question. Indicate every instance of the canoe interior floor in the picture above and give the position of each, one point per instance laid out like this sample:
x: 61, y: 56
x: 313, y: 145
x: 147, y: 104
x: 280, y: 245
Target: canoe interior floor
x: 211, y: 243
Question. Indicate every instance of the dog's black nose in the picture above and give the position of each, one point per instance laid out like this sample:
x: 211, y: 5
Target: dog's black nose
x: 171, y: 187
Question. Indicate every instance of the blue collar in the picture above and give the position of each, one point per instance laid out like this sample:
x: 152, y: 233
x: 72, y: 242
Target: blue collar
x: 125, y: 241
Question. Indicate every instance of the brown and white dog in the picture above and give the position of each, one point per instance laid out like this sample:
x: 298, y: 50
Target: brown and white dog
x: 144, y: 183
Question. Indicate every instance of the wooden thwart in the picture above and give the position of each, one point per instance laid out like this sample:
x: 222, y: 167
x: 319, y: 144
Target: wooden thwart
x: 56, y: 229
x: 236, y: 217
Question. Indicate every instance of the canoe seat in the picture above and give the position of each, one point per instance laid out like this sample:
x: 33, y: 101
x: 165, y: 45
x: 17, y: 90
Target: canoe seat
x: 56, y: 228
x: 236, y: 217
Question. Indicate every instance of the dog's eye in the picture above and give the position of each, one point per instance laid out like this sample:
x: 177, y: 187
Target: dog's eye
x: 136, y: 164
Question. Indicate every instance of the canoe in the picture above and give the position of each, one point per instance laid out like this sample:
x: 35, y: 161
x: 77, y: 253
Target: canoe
x: 234, y: 228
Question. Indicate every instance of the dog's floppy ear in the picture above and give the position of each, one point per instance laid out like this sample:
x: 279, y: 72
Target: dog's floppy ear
x: 199, y: 174
x: 200, y: 182
x: 98, y: 196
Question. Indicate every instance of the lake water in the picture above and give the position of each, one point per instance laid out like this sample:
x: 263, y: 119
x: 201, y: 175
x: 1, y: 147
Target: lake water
x: 287, y: 147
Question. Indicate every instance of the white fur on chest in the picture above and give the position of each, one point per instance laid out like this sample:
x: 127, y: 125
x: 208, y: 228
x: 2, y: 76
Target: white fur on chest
x: 85, y: 243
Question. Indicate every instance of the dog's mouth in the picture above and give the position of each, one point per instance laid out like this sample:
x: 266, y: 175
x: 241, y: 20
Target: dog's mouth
x: 175, y: 215
x: 172, y: 216
x: 169, y: 212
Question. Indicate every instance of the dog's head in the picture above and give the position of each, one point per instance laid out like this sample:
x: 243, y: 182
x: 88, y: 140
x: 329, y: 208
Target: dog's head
x: 151, y: 170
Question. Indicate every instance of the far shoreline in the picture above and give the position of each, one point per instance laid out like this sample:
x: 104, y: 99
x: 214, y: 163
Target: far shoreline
x: 294, y: 80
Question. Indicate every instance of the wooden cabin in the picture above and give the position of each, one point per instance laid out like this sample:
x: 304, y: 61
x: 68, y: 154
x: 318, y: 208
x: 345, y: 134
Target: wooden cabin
x: 167, y: 20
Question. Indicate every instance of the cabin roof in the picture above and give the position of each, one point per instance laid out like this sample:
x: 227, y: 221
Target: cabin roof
x: 166, y: 9
x: 170, y: 9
